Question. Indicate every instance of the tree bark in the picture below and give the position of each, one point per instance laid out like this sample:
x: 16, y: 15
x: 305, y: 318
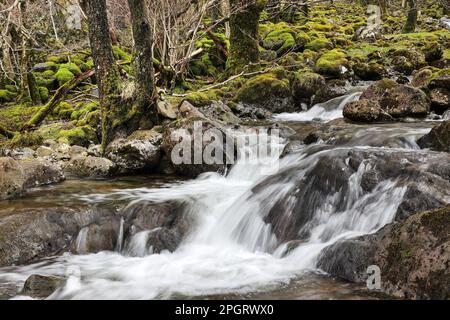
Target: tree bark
x: 142, y: 62
x: 107, y: 72
x: 411, y: 20
x: 244, y: 21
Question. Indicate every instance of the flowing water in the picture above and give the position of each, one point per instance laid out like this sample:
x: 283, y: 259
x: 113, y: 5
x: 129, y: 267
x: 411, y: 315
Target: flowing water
x: 231, y: 250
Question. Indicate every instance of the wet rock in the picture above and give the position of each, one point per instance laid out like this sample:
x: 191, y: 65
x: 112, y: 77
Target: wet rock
x: 95, y: 150
x: 92, y: 167
x: 332, y: 89
x: 39, y: 286
x: 38, y: 172
x: 166, y: 222
x: 412, y: 255
x: 30, y: 234
x: 330, y: 179
x: 140, y: 151
x: 440, y: 99
x: 440, y: 81
x: 196, y: 145
x: 77, y: 151
x: 438, y: 138
x: 387, y: 100
x: 12, y: 178
x: 365, y: 111
x: 99, y: 236
x: 250, y: 111
x: 422, y: 78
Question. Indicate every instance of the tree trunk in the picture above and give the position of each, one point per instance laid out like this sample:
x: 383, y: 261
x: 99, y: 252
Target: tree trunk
x: 244, y: 33
x: 142, y: 63
x: 107, y: 72
x: 411, y: 20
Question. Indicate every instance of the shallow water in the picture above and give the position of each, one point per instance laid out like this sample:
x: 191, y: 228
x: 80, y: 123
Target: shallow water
x: 231, y: 251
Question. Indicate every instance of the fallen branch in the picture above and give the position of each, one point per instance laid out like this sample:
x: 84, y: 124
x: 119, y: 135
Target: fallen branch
x: 55, y: 100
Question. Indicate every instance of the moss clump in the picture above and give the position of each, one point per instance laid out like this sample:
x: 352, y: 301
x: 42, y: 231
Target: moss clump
x: 201, y: 99
x: 48, y: 74
x: 44, y: 93
x: 58, y: 59
x: 63, y: 76
x: 202, y: 66
x: 302, y: 38
x: 319, y: 44
x: 6, y: 96
x: 81, y: 136
x: 332, y: 63
x: 407, y: 60
x: 72, y: 67
x: 13, y: 117
x: 305, y: 84
x: 30, y: 139
x: 120, y: 54
x: 83, y: 109
x: 63, y: 111
x: 262, y: 88
x: 369, y: 71
x: 281, y: 39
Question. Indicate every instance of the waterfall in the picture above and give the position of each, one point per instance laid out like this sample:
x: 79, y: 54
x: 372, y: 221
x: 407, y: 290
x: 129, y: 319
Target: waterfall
x: 326, y: 111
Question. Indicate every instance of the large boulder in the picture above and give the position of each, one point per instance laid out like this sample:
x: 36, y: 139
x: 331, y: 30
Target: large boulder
x: 412, y: 256
x: 325, y: 180
x: 140, y: 151
x: 28, y: 235
x: 12, y: 178
x: 438, y: 138
x: 387, y: 100
x: 164, y: 224
x: 305, y: 85
x: 39, y: 172
x: 195, y: 145
x: 267, y: 91
x: 90, y: 167
x: 440, y: 99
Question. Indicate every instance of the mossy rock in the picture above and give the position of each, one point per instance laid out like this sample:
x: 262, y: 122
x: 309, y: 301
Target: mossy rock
x: 83, y: 109
x: 30, y: 139
x: 44, y: 93
x: 407, y: 60
x: 6, y: 96
x: 319, y: 44
x: 120, y: 54
x: 48, y: 74
x: 63, y: 76
x: 305, y: 84
x: 58, y: 59
x: 369, y: 71
x: 202, y: 66
x: 80, y: 136
x: 72, y: 67
x: 201, y: 99
x: 63, y: 111
x: 332, y: 63
x: 302, y: 38
x: 280, y: 40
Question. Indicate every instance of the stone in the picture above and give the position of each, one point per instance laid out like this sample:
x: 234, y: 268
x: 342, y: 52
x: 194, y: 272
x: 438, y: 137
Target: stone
x: 167, y: 110
x: 438, y: 138
x: 39, y: 286
x: 90, y: 167
x: 43, y: 151
x: 12, y: 178
x: 38, y: 172
x: 440, y: 99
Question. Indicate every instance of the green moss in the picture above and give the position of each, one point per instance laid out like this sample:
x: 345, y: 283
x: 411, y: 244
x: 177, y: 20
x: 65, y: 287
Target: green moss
x: 64, y: 75
x: 83, y: 109
x: 30, y: 139
x: 11, y: 88
x: 305, y: 84
x: 48, y: 74
x: 72, y: 67
x: 58, y: 59
x: 120, y: 54
x: 200, y: 99
x: 14, y: 116
x: 302, y: 38
x: 202, y: 66
x: 280, y: 39
x: 319, y: 44
x: 81, y: 136
x: 332, y: 63
x: 63, y: 111
x: 6, y: 96
x: 262, y: 88
x: 44, y: 93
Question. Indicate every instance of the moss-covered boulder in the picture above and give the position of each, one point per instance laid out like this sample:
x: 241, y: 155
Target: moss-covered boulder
x: 438, y: 138
x: 280, y: 40
x: 90, y: 167
x: 80, y: 136
x: 364, y: 111
x: 333, y: 63
x: 319, y: 44
x: 406, y: 61
x: 412, y: 256
x: 64, y: 75
x: 267, y: 91
x: 6, y: 96
x: 304, y: 85
x: 369, y: 71
x: 440, y: 100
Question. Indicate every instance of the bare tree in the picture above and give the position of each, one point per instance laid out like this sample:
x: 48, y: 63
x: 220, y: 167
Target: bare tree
x: 411, y: 19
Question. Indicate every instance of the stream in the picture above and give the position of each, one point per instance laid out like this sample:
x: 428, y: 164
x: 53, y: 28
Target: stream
x: 232, y: 251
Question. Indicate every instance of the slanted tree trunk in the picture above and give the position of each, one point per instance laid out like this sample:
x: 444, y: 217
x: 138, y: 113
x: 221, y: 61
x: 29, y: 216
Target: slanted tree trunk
x: 144, y: 106
x: 107, y: 72
x: 244, y: 21
x: 411, y: 20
